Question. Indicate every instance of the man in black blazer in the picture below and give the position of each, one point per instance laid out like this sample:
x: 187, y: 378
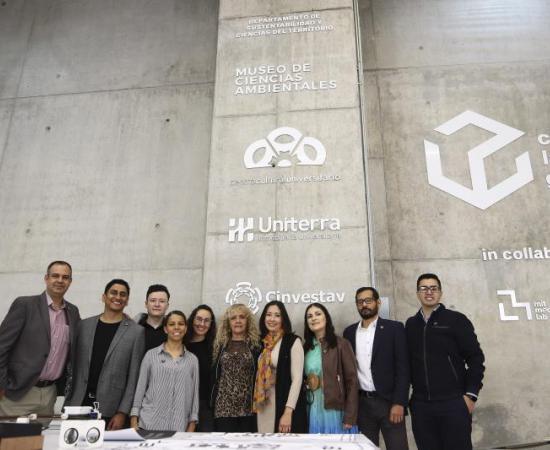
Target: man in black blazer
x: 37, y: 346
x: 383, y: 371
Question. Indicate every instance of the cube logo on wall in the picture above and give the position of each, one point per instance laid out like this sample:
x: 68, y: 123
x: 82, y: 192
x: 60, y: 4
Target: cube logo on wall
x: 480, y: 195
x: 284, y: 147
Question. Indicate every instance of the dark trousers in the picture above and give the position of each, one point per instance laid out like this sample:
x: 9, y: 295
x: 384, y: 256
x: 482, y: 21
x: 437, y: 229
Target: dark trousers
x: 206, y: 417
x: 373, y: 417
x: 442, y: 424
x: 246, y: 424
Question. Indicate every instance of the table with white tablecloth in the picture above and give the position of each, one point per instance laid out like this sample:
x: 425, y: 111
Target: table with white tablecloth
x: 234, y: 441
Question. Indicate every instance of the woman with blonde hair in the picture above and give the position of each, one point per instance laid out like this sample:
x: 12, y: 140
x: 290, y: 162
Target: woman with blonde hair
x: 236, y: 350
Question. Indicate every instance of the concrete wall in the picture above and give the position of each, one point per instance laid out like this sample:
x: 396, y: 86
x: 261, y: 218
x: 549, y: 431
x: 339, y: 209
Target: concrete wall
x: 113, y: 156
x: 297, y: 263
x: 426, y: 62
x: 105, y: 123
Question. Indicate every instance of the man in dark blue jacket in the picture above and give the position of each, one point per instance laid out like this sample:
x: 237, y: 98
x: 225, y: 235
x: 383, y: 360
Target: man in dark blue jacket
x: 383, y: 371
x: 446, y: 371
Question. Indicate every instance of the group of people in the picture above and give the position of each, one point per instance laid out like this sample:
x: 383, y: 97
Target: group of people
x: 163, y: 371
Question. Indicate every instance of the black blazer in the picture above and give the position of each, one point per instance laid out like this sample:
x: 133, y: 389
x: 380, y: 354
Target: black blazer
x: 390, y: 360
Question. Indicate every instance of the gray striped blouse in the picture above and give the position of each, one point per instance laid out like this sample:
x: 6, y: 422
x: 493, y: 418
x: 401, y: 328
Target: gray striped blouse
x: 167, y: 393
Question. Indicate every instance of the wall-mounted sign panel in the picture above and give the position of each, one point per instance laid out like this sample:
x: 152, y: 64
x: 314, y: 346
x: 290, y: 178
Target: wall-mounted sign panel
x: 286, y: 203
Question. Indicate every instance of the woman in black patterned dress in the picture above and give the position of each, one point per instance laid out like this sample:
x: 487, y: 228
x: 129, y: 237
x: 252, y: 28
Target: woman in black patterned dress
x: 236, y: 351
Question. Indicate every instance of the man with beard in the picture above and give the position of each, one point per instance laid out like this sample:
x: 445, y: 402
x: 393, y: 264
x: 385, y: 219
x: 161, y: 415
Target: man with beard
x: 383, y: 371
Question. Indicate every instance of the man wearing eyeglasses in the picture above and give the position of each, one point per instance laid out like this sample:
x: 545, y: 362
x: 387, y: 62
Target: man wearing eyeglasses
x: 383, y: 371
x: 156, y: 303
x: 446, y: 371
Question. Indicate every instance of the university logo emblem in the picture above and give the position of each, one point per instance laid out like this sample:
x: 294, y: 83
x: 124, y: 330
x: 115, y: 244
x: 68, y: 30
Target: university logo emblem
x: 241, y: 228
x: 285, y: 147
x: 244, y: 293
x: 480, y: 195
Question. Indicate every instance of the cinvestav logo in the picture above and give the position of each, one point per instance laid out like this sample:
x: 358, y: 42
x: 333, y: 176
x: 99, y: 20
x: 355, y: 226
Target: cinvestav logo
x: 480, y: 195
x: 246, y: 293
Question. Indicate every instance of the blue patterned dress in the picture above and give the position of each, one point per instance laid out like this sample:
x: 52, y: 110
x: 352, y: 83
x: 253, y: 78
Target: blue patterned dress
x: 321, y: 420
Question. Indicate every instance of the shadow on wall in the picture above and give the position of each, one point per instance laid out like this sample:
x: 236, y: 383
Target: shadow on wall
x: 532, y: 445
x: 501, y: 435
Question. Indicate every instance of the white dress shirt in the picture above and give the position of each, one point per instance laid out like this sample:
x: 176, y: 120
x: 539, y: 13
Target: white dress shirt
x: 363, y: 351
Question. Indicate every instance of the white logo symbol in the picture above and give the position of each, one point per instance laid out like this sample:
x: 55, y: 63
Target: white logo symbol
x: 480, y: 195
x: 244, y: 291
x: 241, y: 227
x: 282, y: 154
x: 515, y: 304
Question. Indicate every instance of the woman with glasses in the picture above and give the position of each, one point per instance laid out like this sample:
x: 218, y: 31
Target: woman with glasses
x: 331, y: 372
x: 236, y: 350
x: 167, y: 391
x: 199, y: 340
x: 277, y: 401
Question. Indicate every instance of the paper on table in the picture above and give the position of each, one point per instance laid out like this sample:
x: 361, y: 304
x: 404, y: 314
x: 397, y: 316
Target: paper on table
x: 253, y: 441
x: 127, y: 434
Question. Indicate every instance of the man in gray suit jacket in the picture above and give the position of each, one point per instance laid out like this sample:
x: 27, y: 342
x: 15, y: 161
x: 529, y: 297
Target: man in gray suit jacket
x: 109, y: 349
x: 37, y: 346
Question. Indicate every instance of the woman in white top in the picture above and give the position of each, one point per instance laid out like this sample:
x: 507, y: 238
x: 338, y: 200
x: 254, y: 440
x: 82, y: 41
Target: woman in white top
x: 167, y: 393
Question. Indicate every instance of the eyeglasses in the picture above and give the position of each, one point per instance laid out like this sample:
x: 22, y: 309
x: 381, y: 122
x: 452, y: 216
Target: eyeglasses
x: 365, y: 301
x: 425, y: 289
x: 205, y: 321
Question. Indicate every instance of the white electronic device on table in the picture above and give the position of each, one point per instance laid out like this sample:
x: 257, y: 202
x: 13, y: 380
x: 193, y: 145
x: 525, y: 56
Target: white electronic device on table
x: 81, y: 427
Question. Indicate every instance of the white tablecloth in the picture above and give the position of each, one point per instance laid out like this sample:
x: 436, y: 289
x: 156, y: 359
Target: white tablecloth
x: 236, y: 441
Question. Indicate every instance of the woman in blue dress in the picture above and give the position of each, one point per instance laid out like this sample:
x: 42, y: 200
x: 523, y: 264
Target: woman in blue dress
x: 331, y: 373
